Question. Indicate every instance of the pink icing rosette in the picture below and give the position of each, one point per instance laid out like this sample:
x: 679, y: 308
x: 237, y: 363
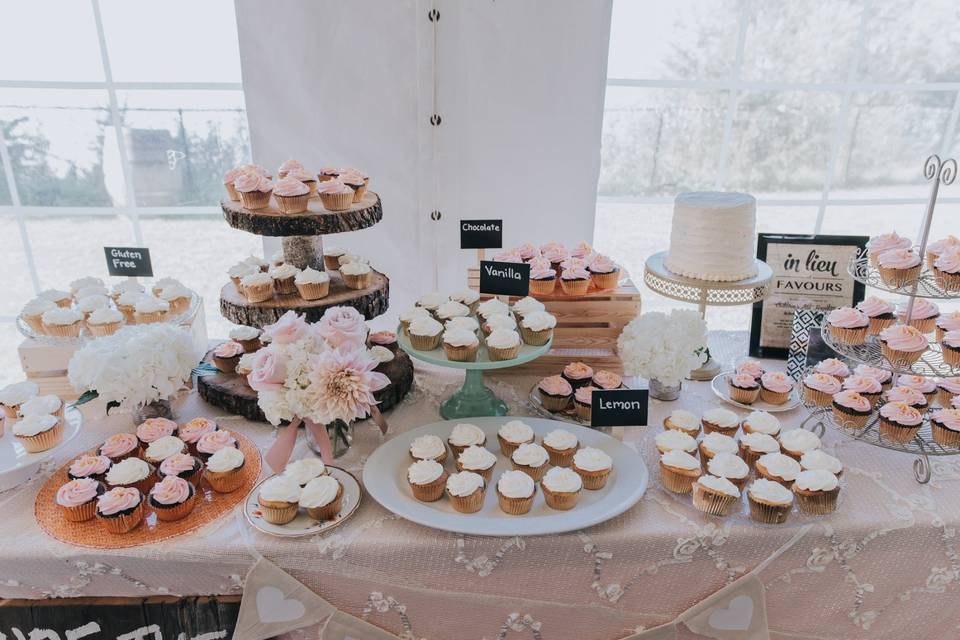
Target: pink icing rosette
x: 919, y: 383
x: 555, y: 255
x: 847, y: 318
x: 342, y: 326
x: 852, y: 400
x: 117, y: 500
x: 383, y: 337
x: 333, y: 187
x: 905, y: 394
x: 576, y: 273
x: 903, y: 338
x: 228, y: 349
x: 542, y: 273
x: 154, y: 428
x: 949, y: 260
x: 527, y: 251
x: 899, y: 259
x: 922, y: 309
x: 951, y: 339
x: 776, y: 381
x: 880, y: 375
x: 582, y: 249
x: 213, y: 442
x: 289, y: 187
x: 602, y: 264
x: 118, y: 445
x: 874, y: 306
x: 584, y: 395
x: 573, y: 263
x: 901, y: 413
x: 363, y: 174
x: 192, y: 431
x: 751, y: 367
x: 607, y: 379
x: 290, y: 165
x: 822, y: 382
x: 170, y: 490
x: 950, y: 418
x: 302, y: 175
x: 249, y: 181
x: 939, y: 246
x: 949, y: 322
x: 509, y: 255
x: 289, y: 328
x: 178, y: 463
x: 540, y: 262
x: 887, y: 242
x: 268, y: 370
x: 950, y: 385
x: 77, y: 492
x: 556, y: 386
x: 833, y: 367
x: 352, y: 178
x: 862, y: 384
x: 744, y: 381
x: 330, y: 171
x: 552, y: 246
x: 89, y: 466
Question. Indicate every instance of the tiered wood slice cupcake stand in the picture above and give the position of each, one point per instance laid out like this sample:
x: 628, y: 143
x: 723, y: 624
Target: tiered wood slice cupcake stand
x: 930, y: 365
x: 302, y: 240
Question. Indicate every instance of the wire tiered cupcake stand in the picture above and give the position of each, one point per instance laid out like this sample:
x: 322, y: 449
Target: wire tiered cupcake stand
x: 930, y: 365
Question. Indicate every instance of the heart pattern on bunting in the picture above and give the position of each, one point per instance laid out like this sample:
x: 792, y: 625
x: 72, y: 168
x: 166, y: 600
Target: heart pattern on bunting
x: 273, y: 606
x: 736, y: 616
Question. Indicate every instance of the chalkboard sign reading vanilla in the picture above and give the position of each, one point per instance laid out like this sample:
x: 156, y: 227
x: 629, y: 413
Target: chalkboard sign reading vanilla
x: 619, y: 407
x: 504, y: 278
x: 132, y: 262
x: 481, y: 234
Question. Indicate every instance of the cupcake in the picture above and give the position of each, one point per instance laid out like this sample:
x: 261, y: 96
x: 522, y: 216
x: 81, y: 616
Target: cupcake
x: 77, y: 499
x: 460, y: 345
x: 356, y: 182
x: 512, y: 434
x: 153, y: 429
x: 467, y: 297
x: 38, y: 432
x: 126, y: 304
x: 128, y: 286
x: 245, y: 364
x: 172, y: 498
x: 428, y: 447
x: 177, y: 297
x: 604, y: 272
x: 182, y: 465
x: 577, y: 374
x: 554, y: 253
x: 224, y: 470
x: 543, y: 280
x: 284, y: 279
x: 923, y: 316
x: 89, y: 304
x: 62, y: 299
x: 381, y: 354
x: 465, y: 491
x: 752, y: 368
x: 478, y: 460
x: 797, y: 442
x: 947, y: 322
x: 499, y: 322
x: 716, y: 496
x: 287, y: 167
x: 775, y: 387
x: 503, y: 344
x: 673, y: 440
x: 555, y: 393
x: 950, y: 346
x: 14, y: 395
x: 279, y: 499
x: 945, y: 426
x: 816, y: 492
x: 730, y: 467
x: 409, y: 315
x: 603, y: 379
x: 833, y: 367
x: 583, y: 402
x: 594, y: 466
x: 49, y: 404
x: 816, y: 459
x: 936, y: 248
x: 238, y: 271
x: 485, y: 309
x: 778, y: 468
x: 905, y: 394
x: 851, y: 410
x: 679, y: 471
x: 536, y: 328
x: 946, y: 269
x: 257, y: 287
x: 884, y: 377
x: 682, y: 420
x: 899, y: 267
x: 465, y: 435
x: 227, y: 355
x: 947, y: 390
x: 162, y: 448
x: 432, y: 300
x: 561, y: 488
x: 515, y: 491
x: 880, y: 314
x: 63, y: 323
x: 192, y: 431
x: 899, y: 422
x: 335, y: 195
x: 819, y: 388
x: 254, y: 190
x: 89, y: 466
x: 720, y: 420
x: 426, y: 334
x: 451, y: 309
x: 848, y: 326
x: 247, y: 337
x: 292, y: 195
x: 228, y: 179
x: 886, y: 242
x: 525, y: 306
x: 120, y: 510
x: 427, y: 480
x: 331, y: 257
x: 210, y: 443
x: 561, y: 445
x: 532, y: 459
x: 753, y: 446
x: 304, y: 470
x: 322, y: 498
x: 902, y: 345
x: 770, y: 502
x: 761, y: 422
x: 575, y: 281
x: 328, y: 173
x: 32, y: 313
x: 744, y: 388
x: 120, y: 446
x: 385, y: 339
x: 104, y: 322
x: 130, y: 472
x: 926, y: 386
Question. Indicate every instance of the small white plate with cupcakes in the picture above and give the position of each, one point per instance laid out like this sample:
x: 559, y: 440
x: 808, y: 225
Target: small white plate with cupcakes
x: 741, y: 390
x: 568, y: 395
x: 17, y: 464
x: 505, y: 476
x: 303, y: 524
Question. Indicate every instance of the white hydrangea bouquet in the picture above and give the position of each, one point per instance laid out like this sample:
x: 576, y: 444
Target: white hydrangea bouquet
x: 663, y: 347
x: 134, y: 367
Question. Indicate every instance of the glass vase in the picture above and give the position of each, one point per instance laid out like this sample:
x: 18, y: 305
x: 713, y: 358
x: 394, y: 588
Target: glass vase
x: 664, y: 391
x: 155, y: 409
x: 341, y: 437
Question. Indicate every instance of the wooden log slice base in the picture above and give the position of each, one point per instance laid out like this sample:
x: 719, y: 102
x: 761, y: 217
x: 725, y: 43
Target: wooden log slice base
x: 370, y: 302
x: 316, y: 221
x: 230, y: 391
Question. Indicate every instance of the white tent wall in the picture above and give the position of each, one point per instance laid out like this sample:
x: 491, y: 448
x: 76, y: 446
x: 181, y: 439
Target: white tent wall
x: 519, y: 87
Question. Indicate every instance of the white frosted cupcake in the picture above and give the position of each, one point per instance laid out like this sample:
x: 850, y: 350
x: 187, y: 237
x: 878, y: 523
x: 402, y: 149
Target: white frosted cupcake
x: 561, y: 445
x: 425, y: 333
x: 561, y: 488
x: 512, y: 434
x: 492, y: 307
x: 716, y: 496
x: 428, y: 447
x: 427, y: 480
x: 720, y: 420
x: 304, y: 470
x: 460, y: 345
x: 356, y: 275
x: 672, y: 439
x: 678, y: 471
x: 499, y: 322
x: 322, y: 498
x: 38, y: 432
x: 431, y: 301
x: 731, y: 467
x: 816, y: 491
x: 257, y: 287
x: 89, y: 304
x: 312, y: 284
x: 467, y: 297
x: 32, y: 313
x: 817, y: 460
x: 467, y: 323
x: 528, y: 305
x: 515, y: 490
x: 409, y: 315
x: 503, y: 344
x: 778, y: 468
x: 770, y: 502
x: 465, y: 435
x: 14, y: 395
x: 594, y: 466
x: 761, y: 422
x: 279, y: 500
x: 754, y: 445
x: 465, y: 491
x: 284, y: 278
x: 451, y: 309
x: 149, y: 309
x: 536, y: 328
x: 331, y: 257
x: 532, y: 459
x: 797, y: 442
x: 477, y: 459
x: 682, y: 420
x: 65, y: 323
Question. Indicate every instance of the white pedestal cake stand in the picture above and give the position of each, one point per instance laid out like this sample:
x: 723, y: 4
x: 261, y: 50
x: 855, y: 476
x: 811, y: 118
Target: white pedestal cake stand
x: 705, y: 294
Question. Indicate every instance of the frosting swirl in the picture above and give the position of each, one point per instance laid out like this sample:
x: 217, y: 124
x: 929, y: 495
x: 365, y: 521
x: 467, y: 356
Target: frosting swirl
x: 770, y: 492
x: 118, y: 499
x: 852, y: 400
x: 319, y: 492
x: 555, y: 386
x: 503, y: 338
x: 744, y: 381
x: 847, y: 318
x: 763, y: 422
x: 780, y: 465
x: 515, y: 484
x: 799, y: 440
x: 562, y: 480
x: 89, y: 466
x: 424, y: 472
x: 723, y: 418
x: 516, y: 432
x: 949, y: 418
x: 192, y: 431
x: 862, y: 384
x: 118, y: 444
x: 171, y: 490
x: 475, y: 457
x: 280, y: 489
x: 530, y: 454
x: 751, y: 367
x: 948, y: 261
x: 77, y: 492
x: 881, y: 375
x: 951, y: 339
x: 816, y: 480
x: 684, y: 419
x: 18, y: 393
x: 304, y: 470
x: 776, y: 381
x: 679, y: 460
x: 906, y: 394
x: 560, y: 439
x: 460, y: 338
x: 949, y: 321
x: 920, y: 383
x: 607, y: 380
x: 538, y: 321
x: 817, y: 459
x: 465, y: 434
x: 178, y: 463
x: 874, y: 306
x: 720, y: 485
x: 527, y: 305
x: 922, y: 309
x: 760, y: 442
x: 886, y: 242
x: 35, y: 424
x: 452, y: 309
x: 899, y: 259
x: 428, y: 447
x: 728, y: 465
x: 950, y: 385
x: 163, y: 448
x: 901, y: 413
x: 904, y: 338
x: 155, y: 428
x: 215, y: 440
x: 290, y: 187
x: 672, y: 439
x: 225, y: 460
x: 591, y: 459
x: 128, y: 471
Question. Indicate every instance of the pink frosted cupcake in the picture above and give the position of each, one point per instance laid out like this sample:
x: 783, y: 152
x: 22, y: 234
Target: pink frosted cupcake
x: 555, y: 253
x: 950, y: 346
x: 744, y: 388
x: 335, y: 195
x: 848, y: 326
x: 77, y: 499
x: 210, y: 443
x: 947, y: 390
x: 120, y: 446
x: 926, y: 386
x: 328, y: 173
x: 575, y: 281
x: 899, y: 267
x: 153, y: 429
x: 923, y: 316
x: 946, y: 269
x: 182, y: 465
x: 819, y: 388
x: 555, y: 393
x: 905, y: 394
x: 947, y: 322
x: 851, y: 410
x: 899, y: 422
x: 543, y: 280
x: 833, y: 367
x: 355, y: 180
x: 884, y: 377
x: 604, y: 272
x: 603, y: 379
x: 303, y: 176
x: 254, y: 190
x: 88, y: 466
x: 528, y: 252
x: 945, y: 425
x: 751, y: 367
x: 935, y: 249
x: 886, y: 242
x: 775, y: 387
x: 880, y: 313
x: 287, y: 167
x: 866, y: 386
x: 192, y: 431
x: 120, y: 509
x: 292, y: 195
x: 902, y: 345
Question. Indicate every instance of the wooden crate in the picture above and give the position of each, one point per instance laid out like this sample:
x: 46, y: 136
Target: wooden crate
x: 587, y: 326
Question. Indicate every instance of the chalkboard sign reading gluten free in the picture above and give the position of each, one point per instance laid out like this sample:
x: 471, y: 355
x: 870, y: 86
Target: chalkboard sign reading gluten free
x: 619, y: 407
x: 481, y: 234
x: 504, y: 278
x: 132, y: 262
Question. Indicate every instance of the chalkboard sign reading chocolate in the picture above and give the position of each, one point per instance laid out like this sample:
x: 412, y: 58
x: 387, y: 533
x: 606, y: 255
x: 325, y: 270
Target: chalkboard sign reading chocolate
x: 132, y: 262
x: 504, y: 278
x: 481, y: 234
x: 619, y: 407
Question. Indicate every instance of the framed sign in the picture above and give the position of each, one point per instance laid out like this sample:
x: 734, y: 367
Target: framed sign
x: 619, y: 407
x: 131, y: 262
x: 504, y: 278
x: 481, y: 234
x: 809, y: 272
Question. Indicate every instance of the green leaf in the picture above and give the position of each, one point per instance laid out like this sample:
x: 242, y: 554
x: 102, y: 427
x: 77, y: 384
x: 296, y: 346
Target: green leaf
x: 113, y: 404
x: 85, y: 397
x: 204, y: 369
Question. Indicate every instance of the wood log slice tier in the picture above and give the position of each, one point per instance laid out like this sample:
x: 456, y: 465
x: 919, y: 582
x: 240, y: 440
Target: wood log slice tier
x: 370, y: 302
x: 230, y: 391
x: 316, y: 221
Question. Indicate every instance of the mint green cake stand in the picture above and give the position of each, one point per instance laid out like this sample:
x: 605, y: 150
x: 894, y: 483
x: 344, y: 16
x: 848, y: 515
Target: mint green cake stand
x: 474, y: 398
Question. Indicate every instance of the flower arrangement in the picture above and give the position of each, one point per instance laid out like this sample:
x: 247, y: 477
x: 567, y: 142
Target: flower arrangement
x: 663, y: 347
x: 134, y: 367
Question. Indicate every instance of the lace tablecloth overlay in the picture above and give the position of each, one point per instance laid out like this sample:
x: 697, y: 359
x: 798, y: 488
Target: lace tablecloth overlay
x: 884, y: 566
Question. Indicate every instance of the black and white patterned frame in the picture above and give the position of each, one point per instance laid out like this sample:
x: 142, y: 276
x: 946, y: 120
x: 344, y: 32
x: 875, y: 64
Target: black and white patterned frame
x: 806, y: 345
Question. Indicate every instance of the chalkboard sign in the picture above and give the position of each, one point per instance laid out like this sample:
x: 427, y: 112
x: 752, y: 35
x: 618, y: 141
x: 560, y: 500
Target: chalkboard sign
x: 132, y: 262
x: 481, y: 234
x: 504, y: 278
x: 619, y: 407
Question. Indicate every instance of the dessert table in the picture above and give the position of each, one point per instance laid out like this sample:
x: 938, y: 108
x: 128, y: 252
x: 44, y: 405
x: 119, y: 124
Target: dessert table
x: 885, y: 565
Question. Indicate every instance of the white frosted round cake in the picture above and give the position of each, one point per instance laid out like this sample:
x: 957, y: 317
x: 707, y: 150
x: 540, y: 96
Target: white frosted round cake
x: 712, y: 237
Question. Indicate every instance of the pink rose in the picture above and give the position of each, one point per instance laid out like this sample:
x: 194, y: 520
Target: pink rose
x: 289, y: 328
x: 269, y: 370
x: 342, y: 326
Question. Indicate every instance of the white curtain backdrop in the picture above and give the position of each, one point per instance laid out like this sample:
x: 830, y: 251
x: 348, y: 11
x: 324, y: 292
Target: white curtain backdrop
x: 519, y: 88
